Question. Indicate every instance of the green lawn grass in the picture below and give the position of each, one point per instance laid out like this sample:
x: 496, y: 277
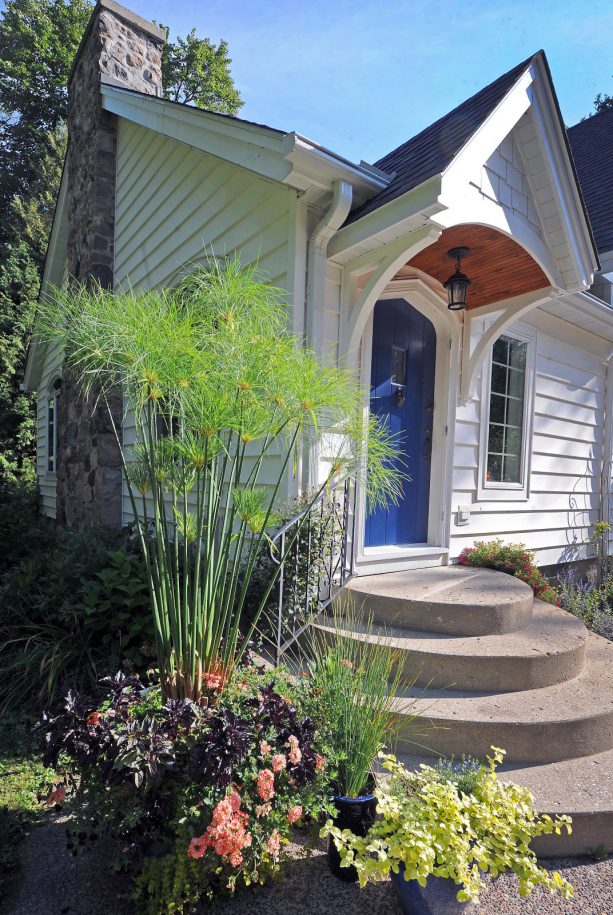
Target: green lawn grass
x: 23, y: 781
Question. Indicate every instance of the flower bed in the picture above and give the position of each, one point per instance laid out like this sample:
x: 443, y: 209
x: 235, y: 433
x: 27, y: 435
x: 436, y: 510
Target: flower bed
x: 514, y: 559
x: 201, y: 797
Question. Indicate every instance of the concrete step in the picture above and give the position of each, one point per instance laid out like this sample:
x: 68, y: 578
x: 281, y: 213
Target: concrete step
x: 454, y: 600
x: 549, y: 650
x: 581, y: 788
x: 550, y: 724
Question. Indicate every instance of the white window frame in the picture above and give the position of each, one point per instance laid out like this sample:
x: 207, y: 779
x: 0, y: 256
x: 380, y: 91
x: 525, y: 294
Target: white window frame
x: 488, y: 490
x: 52, y: 397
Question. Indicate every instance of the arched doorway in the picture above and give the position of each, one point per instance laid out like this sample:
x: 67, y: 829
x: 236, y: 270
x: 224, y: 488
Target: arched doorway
x: 403, y: 368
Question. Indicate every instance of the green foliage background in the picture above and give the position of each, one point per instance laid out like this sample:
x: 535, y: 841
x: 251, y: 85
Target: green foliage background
x: 38, y: 42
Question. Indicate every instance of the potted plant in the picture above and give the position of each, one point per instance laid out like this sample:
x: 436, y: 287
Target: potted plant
x: 356, y: 675
x: 441, y: 829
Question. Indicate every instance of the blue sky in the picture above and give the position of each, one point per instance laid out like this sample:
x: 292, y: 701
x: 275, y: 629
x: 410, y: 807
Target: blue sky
x: 363, y: 76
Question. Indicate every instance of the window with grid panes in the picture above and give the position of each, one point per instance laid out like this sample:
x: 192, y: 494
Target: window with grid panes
x: 506, y: 415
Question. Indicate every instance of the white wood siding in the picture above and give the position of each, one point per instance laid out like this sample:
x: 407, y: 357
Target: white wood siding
x: 556, y: 521
x: 175, y: 205
x: 52, y: 368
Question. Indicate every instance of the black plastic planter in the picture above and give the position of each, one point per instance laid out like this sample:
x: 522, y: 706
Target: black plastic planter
x: 437, y: 897
x: 358, y: 815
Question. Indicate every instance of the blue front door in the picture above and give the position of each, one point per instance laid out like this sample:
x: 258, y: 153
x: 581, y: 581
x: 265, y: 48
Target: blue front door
x: 402, y: 392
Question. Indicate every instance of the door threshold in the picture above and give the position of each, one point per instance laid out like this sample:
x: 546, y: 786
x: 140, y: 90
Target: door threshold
x: 376, y: 560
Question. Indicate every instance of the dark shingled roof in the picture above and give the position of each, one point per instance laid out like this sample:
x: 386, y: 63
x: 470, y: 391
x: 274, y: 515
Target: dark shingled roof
x: 591, y: 142
x: 431, y: 151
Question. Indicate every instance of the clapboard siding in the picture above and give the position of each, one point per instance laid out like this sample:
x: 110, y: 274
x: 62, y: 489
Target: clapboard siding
x: 566, y: 452
x: 52, y: 367
x: 176, y: 205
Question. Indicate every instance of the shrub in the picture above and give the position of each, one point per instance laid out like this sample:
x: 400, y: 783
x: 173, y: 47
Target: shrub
x: 430, y: 826
x: 200, y: 798
x: 69, y: 614
x: 514, y: 559
x: 23, y: 530
x: 591, y: 603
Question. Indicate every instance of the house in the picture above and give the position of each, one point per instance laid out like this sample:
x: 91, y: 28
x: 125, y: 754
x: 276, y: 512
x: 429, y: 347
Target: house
x: 506, y: 405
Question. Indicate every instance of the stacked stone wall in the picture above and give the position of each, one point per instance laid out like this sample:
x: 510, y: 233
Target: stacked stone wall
x: 123, y: 49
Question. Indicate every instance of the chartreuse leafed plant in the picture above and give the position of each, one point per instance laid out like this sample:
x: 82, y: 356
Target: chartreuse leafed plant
x: 356, y: 674
x: 219, y: 390
x: 436, y: 823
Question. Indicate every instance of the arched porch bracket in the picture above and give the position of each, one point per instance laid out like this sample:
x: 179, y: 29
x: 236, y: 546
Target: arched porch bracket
x: 360, y: 303
x: 508, y: 312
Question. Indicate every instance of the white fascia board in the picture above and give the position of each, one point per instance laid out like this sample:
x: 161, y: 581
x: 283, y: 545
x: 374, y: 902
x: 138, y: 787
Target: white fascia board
x: 487, y: 137
x: 573, y: 215
x: 284, y: 157
x: 606, y: 264
x: 388, y: 222
x: 315, y: 166
x: 52, y: 276
x: 589, y: 313
x: 255, y: 148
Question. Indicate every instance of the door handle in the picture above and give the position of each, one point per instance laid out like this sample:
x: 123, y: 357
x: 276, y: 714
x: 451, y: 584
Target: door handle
x: 400, y: 390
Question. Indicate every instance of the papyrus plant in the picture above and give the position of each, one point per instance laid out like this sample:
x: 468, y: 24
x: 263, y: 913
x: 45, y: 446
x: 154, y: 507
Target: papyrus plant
x: 224, y: 399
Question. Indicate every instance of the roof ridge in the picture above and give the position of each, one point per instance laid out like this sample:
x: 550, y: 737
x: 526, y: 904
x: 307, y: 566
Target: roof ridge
x: 523, y: 66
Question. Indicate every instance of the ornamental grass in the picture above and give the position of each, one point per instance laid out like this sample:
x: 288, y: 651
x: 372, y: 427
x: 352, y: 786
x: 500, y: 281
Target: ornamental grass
x: 224, y: 401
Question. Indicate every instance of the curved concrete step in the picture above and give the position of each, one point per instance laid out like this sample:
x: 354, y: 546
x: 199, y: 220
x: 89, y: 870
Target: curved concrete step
x: 563, y: 721
x: 549, y: 650
x: 454, y: 600
x: 581, y: 788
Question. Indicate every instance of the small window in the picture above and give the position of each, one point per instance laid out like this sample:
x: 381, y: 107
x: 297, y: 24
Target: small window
x: 52, y: 417
x: 506, y: 419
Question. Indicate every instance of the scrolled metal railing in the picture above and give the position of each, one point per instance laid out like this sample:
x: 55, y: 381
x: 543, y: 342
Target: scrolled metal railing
x: 318, y: 564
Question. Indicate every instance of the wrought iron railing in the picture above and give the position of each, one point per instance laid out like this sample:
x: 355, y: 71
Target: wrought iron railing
x: 319, y: 562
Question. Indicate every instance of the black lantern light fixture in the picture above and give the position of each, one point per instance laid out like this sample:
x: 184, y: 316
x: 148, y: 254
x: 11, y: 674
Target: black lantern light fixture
x: 457, y: 284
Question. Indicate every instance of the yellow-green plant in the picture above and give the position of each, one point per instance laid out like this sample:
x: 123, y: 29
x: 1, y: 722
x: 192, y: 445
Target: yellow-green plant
x: 223, y: 398
x: 430, y: 827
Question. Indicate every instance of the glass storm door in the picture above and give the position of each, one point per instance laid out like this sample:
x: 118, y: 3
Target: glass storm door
x: 402, y: 393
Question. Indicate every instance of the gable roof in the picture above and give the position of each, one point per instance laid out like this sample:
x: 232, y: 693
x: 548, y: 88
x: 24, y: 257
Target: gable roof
x: 591, y: 142
x: 430, y: 152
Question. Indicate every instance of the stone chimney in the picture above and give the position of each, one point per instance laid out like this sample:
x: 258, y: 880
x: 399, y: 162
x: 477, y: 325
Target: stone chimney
x: 123, y: 49
x: 119, y: 47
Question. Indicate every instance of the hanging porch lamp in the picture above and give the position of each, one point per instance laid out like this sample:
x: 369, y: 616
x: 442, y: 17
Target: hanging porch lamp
x: 458, y: 283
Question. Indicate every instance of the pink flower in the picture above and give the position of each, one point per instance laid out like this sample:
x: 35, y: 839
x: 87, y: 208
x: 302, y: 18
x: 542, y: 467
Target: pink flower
x: 263, y: 810
x: 234, y: 800
x: 295, y: 753
x: 319, y: 762
x: 93, y: 718
x: 266, y: 784
x: 279, y: 762
x: 346, y: 663
x: 213, y: 681
x: 273, y: 845
x: 197, y: 847
x: 56, y: 797
x: 294, y: 814
x: 265, y: 748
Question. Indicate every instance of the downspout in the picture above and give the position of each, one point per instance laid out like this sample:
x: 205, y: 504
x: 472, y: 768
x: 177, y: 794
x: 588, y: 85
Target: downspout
x: 607, y: 456
x: 325, y: 229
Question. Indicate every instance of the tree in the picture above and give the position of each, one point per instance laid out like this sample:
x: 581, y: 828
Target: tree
x: 602, y: 102
x: 38, y: 43
x: 196, y: 71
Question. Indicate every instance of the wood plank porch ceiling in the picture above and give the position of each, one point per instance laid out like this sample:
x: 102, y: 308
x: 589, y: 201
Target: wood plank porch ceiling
x: 498, y: 267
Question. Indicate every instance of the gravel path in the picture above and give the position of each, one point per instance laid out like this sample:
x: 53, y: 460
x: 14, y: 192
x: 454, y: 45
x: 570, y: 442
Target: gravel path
x: 54, y: 883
